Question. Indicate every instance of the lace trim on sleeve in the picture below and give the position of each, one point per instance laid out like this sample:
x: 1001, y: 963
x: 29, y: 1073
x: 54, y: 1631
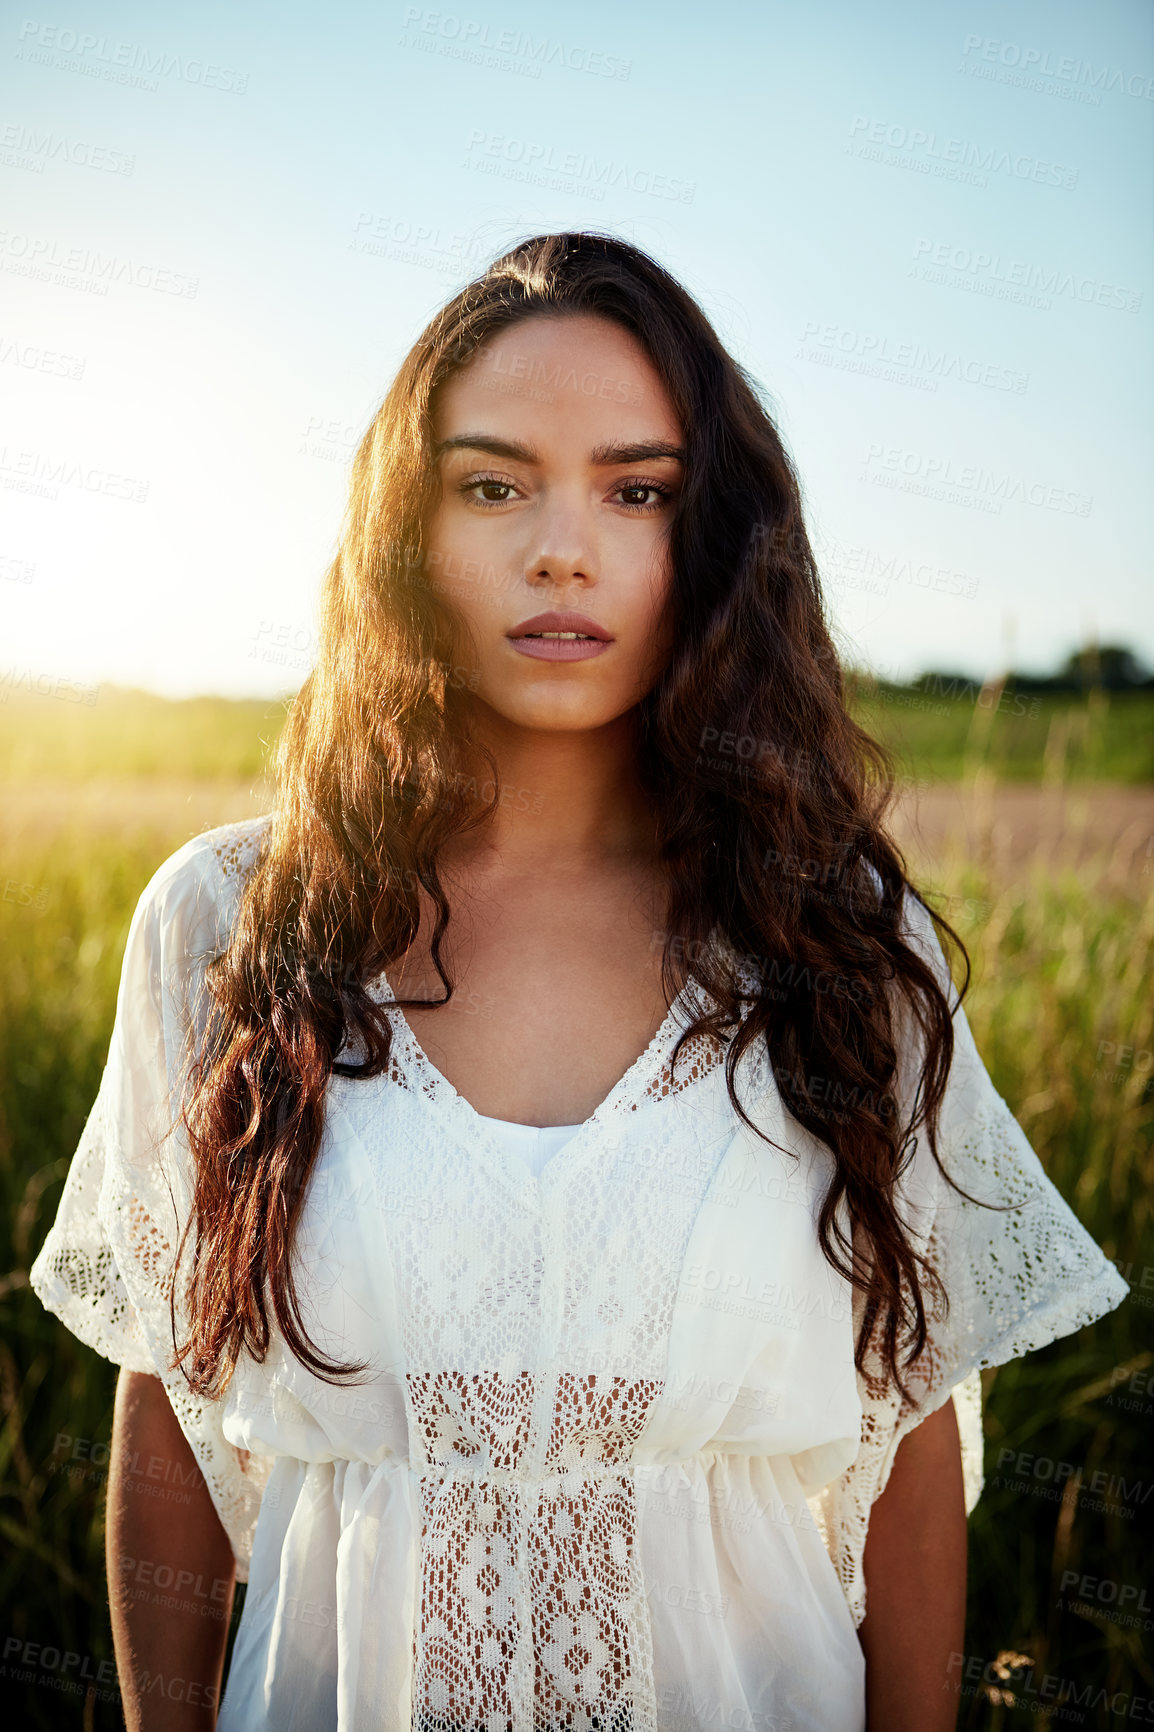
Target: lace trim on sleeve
x: 1015, y: 1279
x: 105, y: 1268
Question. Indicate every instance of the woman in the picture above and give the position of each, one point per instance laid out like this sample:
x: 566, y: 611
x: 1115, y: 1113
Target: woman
x: 536, y: 1384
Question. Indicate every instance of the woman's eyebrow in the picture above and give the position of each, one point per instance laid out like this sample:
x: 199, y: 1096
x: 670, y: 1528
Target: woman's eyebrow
x: 510, y: 448
x: 643, y: 451
x: 601, y: 457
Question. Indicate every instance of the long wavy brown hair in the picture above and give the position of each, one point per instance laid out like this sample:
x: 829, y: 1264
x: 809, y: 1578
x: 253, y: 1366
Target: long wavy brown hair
x: 770, y: 803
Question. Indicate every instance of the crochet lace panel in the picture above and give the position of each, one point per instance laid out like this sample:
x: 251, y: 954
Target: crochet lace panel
x: 518, y: 1561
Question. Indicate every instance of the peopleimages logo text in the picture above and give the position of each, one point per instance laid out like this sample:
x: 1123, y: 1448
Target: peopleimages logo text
x: 40, y: 254
x: 1040, y: 63
x: 105, y: 51
x: 988, y: 159
x: 475, y: 38
x: 993, y: 269
x: 538, y: 157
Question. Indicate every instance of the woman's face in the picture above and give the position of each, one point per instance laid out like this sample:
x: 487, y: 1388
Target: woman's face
x: 560, y: 462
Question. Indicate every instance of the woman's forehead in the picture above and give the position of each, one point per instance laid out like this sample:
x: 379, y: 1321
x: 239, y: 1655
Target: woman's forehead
x: 577, y: 376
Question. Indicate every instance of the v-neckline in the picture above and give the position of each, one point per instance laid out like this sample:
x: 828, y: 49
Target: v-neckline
x: 419, y: 1069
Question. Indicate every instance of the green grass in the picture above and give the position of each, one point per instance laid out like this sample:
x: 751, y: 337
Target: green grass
x: 133, y: 733
x: 1060, y: 992
x: 1062, y: 1014
x: 943, y: 735
x: 57, y: 997
x: 937, y: 732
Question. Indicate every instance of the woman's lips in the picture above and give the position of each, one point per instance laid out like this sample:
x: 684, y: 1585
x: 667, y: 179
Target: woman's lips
x: 564, y: 649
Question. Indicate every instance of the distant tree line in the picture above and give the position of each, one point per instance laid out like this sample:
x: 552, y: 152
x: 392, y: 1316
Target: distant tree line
x: 1108, y: 668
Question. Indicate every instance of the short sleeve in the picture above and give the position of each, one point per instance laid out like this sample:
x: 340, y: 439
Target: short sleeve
x: 106, y: 1268
x: 1016, y: 1276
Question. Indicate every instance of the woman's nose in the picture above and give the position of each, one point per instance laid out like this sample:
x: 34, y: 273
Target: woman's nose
x: 563, y: 547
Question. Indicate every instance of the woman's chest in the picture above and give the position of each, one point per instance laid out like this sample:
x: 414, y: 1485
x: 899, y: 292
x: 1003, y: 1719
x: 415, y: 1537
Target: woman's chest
x: 475, y: 1260
x: 548, y: 1010
x: 657, y: 1290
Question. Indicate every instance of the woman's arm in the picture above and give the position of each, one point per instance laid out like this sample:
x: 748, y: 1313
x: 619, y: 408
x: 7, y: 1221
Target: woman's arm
x: 915, y: 1572
x: 170, y: 1567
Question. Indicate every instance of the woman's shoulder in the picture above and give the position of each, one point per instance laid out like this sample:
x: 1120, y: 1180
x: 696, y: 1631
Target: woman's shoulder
x: 915, y: 921
x: 193, y: 894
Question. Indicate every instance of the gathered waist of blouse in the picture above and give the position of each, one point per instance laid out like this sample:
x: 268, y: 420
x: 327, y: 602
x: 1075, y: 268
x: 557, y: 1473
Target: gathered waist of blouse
x: 556, y: 1477
x: 556, y: 1474
x: 612, y: 1432
x: 553, y: 1478
x: 486, y: 1498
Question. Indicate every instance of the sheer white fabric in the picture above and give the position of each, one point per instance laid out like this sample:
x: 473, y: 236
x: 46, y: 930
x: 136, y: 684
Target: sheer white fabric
x: 612, y: 1465
x: 533, y: 1144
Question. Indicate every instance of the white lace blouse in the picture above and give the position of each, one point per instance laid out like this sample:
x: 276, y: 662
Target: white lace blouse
x: 533, y: 1144
x: 612, y: 1466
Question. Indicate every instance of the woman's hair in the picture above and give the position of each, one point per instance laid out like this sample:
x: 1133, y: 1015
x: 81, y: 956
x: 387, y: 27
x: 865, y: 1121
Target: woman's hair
x: 769, y: 800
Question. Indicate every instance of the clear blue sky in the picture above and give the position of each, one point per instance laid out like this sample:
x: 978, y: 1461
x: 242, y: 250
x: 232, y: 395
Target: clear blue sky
x: 924, y: 228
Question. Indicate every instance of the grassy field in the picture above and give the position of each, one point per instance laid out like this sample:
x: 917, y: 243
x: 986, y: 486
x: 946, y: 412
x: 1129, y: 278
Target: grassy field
x: 1061, y: 1585
x: 938, y: 732
x: 944, y: 730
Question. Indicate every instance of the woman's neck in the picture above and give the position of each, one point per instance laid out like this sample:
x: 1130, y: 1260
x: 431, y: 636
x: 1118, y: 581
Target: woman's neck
x: 567, y: 797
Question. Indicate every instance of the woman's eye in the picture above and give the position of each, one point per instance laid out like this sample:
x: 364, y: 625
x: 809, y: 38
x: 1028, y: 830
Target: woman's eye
x: 642, y: 495
x: 490, y: 490
x: 487, y: 490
